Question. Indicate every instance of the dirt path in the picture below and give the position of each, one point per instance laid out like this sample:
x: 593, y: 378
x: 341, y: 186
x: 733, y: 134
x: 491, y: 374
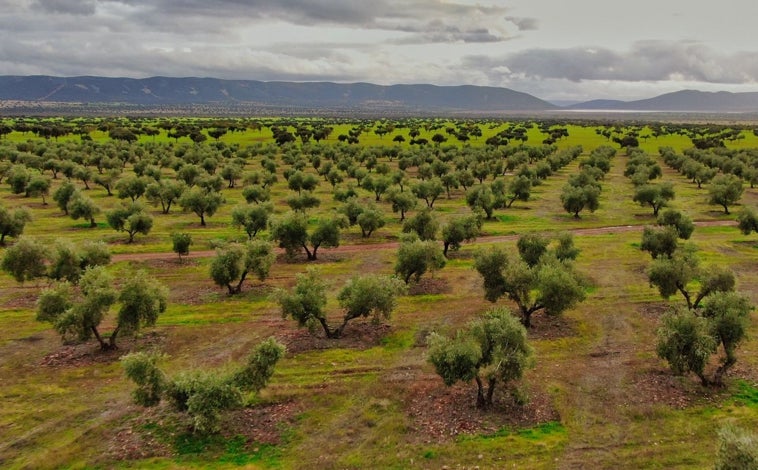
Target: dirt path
x: 393, y: 245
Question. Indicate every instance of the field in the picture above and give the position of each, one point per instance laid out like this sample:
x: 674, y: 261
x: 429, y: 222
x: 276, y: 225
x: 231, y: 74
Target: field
x: 598, y: 396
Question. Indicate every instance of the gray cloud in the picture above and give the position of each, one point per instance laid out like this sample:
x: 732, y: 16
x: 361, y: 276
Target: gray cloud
x: 70, y: 7
x: 524, y: 24
x: 645, y: 61
x: 424, y: 20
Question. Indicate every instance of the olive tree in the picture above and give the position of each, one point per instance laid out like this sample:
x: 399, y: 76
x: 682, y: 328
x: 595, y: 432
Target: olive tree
x: 12, y: 223
x: 130, y: 218
x: 82, y: 207
x: 63, y: 194
x: 550, y: 285
x: 79, y: 317
x: 660, y: 241
x: 165, y: 193
x: 680, y: 222
x: 575, y: 199
x: 77, y: 314
x: 68, y: 261
x: 424, y: 224
x: 493, y: 349
x: 202, y: 202
x: 481, y: 198
x: 203, y: 395
x: 132, y: 187
x: 429, y: 191
x: 402, y: 202
x: 747, y: 221
x: 39, y: 185
x: 252, y: 217
x: 519, y: 189
x: 370, y: 220
x: 656, y: 196
x: 678, y: 273
x: 363, y: 296
x: 532, y: 247
x: 25, y: 260
x: 180, y: 243
x: 688, y: 337
x: 459, y: 230
x: 415, y: 257
x: 234, y: 262
x: 728, y: 314
x: 725, y: 190
x: 685, y: 342
x: 291, y: 231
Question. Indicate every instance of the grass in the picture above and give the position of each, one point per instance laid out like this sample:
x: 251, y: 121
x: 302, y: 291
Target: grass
x: 352, y: 398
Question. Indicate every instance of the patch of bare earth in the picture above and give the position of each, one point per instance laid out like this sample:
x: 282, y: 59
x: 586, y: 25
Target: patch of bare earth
x: 358, y: 335
x: 169, y: 263
x: 155, y: 430
x: 429, y: 286
x: 549, y: 327
x: 22, y: 298
x: 142, y: 437
x: 262, y: 424
x: 76, y: 355
x: 439, y: 413
x: 191, y: 294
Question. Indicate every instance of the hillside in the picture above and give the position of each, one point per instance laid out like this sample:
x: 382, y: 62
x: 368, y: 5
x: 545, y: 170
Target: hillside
x: 682, y: 101
x: 165, y: 91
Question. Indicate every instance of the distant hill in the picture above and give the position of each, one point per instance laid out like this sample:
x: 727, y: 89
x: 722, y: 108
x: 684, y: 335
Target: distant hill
x: 682, y: 101
x: 165, y: 91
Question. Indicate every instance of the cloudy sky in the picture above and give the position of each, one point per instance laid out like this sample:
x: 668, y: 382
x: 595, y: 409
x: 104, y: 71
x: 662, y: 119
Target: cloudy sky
x: 554, y: 49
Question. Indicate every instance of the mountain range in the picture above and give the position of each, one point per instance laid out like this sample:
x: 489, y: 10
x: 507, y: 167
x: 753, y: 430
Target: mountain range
x: 167, y: 91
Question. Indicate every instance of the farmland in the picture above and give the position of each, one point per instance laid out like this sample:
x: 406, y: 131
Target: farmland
x: 597, y: 395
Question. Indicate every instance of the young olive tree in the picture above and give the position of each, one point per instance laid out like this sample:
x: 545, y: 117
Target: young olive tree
x: 493, y: 349
x: 180, y: 243
x: 203, y: 395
